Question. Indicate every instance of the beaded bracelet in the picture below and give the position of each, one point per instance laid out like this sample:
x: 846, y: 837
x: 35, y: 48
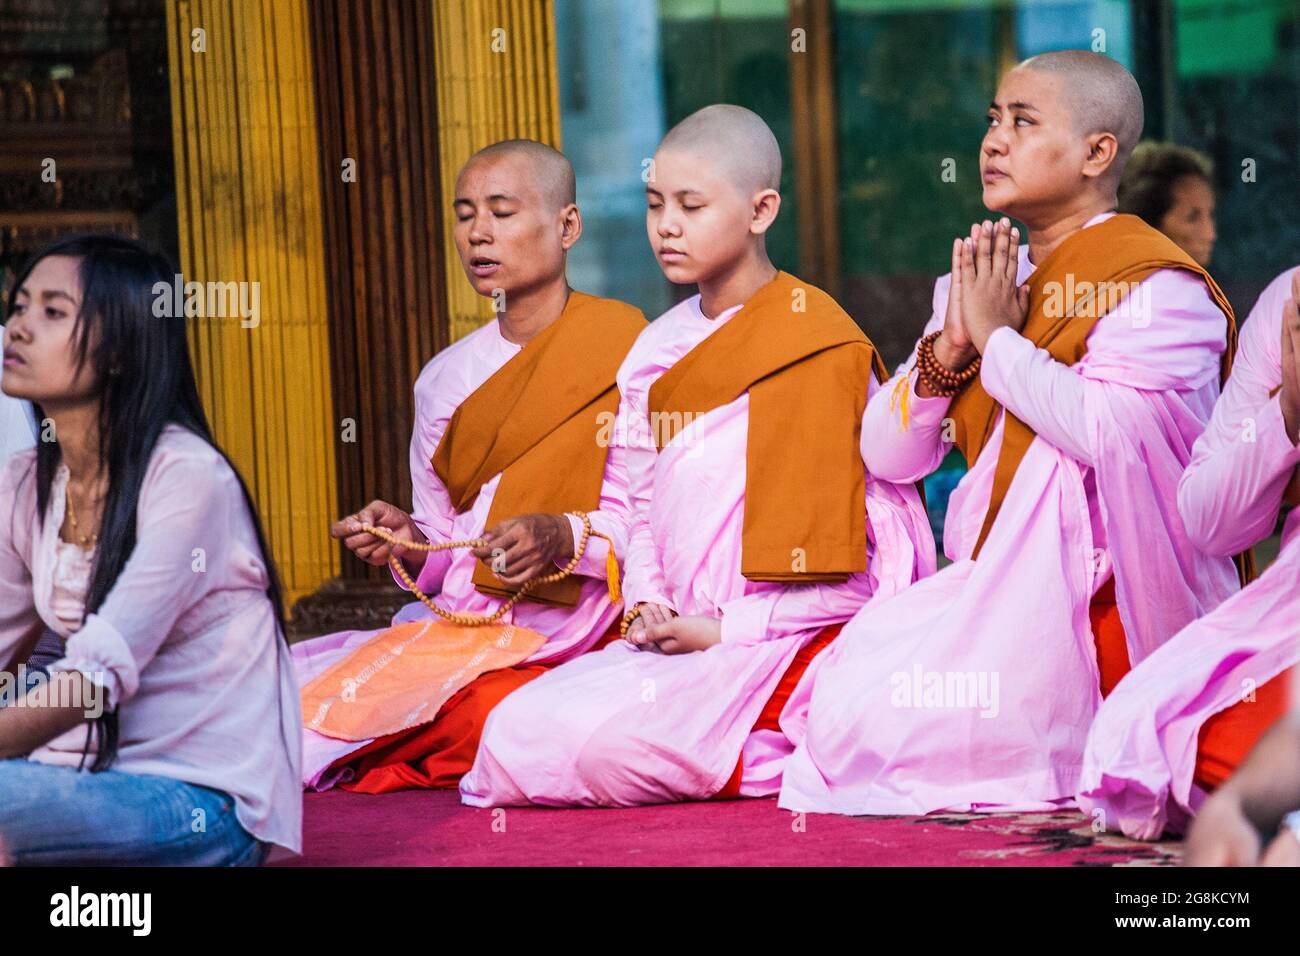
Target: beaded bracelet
x: 940, y: 379
x: 629, y: 617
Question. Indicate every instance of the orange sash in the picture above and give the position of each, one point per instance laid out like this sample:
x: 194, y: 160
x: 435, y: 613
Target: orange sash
x: 806, y: 366
x: 403, y: 675
x: 537, y: 423
x: 1101, y: 265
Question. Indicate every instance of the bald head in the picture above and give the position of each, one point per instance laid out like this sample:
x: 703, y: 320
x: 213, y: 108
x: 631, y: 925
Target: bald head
x: 734, y: 138
x: 1101, y: 95
x: 549, y: 170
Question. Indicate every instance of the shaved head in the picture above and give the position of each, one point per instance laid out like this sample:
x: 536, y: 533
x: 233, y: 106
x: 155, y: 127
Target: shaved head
x: 1101, y: 95
x: 550, y: 171
x: 734, y: 138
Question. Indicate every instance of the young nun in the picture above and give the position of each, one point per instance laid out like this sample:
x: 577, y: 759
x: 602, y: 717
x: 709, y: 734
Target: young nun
x: 1181, y: 723
x: 132, y: 537
x: 755, y: 531
x: 508, y: 447
x: 1074, y: 374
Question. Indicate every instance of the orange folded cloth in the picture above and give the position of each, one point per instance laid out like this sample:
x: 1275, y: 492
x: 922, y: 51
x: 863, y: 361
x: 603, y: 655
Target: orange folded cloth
x: 402, y: 676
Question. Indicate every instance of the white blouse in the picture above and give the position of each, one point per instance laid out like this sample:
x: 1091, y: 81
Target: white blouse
x: 70, y: 582
x: 185, y: 644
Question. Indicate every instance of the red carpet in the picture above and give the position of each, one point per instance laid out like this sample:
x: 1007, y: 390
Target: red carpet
x: 432, y: 828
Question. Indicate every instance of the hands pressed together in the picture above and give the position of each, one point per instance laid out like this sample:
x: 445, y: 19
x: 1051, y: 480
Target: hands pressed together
x: 984, y: 295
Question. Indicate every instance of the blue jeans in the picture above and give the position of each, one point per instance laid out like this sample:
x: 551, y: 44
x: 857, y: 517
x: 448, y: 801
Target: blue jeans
x: 60, y: 816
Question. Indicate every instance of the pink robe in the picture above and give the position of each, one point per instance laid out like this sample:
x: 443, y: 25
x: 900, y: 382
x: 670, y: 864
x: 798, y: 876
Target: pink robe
x: 1141, y: 752
x: 447, y: 380
x: 974, y: 689
x: 626, y: 726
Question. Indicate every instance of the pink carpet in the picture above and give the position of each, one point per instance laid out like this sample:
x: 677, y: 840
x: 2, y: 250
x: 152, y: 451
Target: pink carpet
x: 431, y: 828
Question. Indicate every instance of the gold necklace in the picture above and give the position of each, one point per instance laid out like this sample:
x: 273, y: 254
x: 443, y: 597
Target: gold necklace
x: 86, y: 541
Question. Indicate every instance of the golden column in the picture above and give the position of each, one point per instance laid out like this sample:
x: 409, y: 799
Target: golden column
x: 249, y: 210
x: 495, y: 77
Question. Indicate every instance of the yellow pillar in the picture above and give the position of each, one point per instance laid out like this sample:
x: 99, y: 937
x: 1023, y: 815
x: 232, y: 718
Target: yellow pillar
x: 495, y: 78
x: 248, y: 204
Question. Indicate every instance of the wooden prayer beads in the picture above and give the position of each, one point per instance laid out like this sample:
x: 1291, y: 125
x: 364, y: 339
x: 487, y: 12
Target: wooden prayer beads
x: 940, y: 379
x: 476, y: 620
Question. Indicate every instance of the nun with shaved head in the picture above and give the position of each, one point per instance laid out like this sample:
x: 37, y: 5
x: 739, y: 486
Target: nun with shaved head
x: 508, y: 451
x: 756, y: 530
x: 1073, y: 357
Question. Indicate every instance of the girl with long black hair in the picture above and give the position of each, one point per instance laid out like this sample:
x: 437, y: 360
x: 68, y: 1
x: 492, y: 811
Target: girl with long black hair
x: 167, y: 731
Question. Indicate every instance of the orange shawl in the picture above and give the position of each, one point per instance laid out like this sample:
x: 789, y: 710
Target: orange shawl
x: 537, y: 422
x: 1100, y: 265
x: 806, y: 366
